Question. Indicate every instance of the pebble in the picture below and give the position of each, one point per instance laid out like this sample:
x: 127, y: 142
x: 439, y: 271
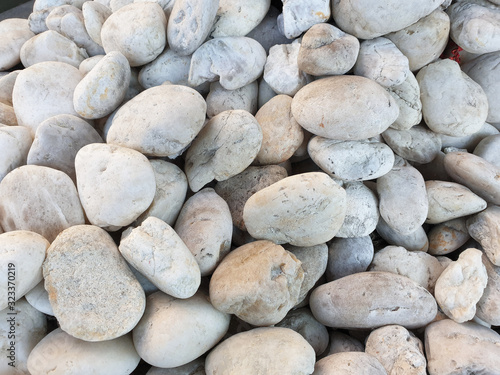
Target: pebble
x: 60, y: 353
x: 448, y: 236
x: 489, y: 149
x: 219, y: 99
x: 267, y: 32
x: 168, y: 66
x: 449, y: 200
x: 57, y: 141
x: 22, y: 254
x: 7, y: 83
x: 415, y: 241
x: 344, y: 108
x: 226, y: 146
x: 83, y: 258
x: 39, y: 299
x: 407, y: 97
x: 247, y: 353
x: 115, y: 184
x: 368, y: 300
x: 7, y: 115
x: 205, y: 226
x: 351, y: 160
x: 461, y: 348
x: 88, y: 64
x: 174, y: 332
x: 483, y: 227
x: 136, y: 30
x: 299, y: 16
x: 468, y: 142
x: 488, y: 309
x: 398, y: 350
x: 348, y: 256
x: 258, y: 282
x: 349, y: 363
x: 418, y: 266
x: 461, y: 285
x: 165, y: 130
x: 39, y: 199
x: 282, y: 211
x: 235, y: 60
x: 457, y: 115
x: 15, y: 143
x: 196, y: 367
x: 341, y: 342
x: 15, y: 32
x: 281, y: 134
x: 327, y: 50
x: 94, y: 16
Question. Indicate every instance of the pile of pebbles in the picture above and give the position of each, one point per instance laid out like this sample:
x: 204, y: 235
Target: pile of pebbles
x: 238, y: 187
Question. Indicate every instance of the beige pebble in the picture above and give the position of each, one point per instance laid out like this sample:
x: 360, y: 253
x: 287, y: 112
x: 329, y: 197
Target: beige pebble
x: 484, y: 227
x: 349, y: 363
x: 15, y: 32
x: 447, y: 237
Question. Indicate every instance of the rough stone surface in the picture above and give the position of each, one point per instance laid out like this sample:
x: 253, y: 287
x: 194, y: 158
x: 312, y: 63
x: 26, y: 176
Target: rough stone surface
x: 349, y: 364
x: 448, y: 236
x: 407, y: 97
x: 299, y: 16
x: 417, y: 144
x: 484, y: 228
x: 347, y: 256
x: 219, y: 99
x: 15, y: 143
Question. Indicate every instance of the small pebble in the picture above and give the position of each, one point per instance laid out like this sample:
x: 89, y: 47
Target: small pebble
x: 219, y: 99
x: 415, y: 241
x: 15, y: 32
x: 348, y: 256
x: 341, y: 342
x: 94, y: 16
x: 489, y: 149
x: 448, y: 236
x: 168, y: 66
x: 39, y: 299
x: 483, y: 227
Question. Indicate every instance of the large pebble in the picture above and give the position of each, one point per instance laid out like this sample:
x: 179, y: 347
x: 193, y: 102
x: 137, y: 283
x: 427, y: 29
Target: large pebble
x: 101, y: 91
x: 226, y: 145
x: 60, y: 353
x: 344, y: 108
x: 115, y: 184
x: 205, y: 226
x: 488, y: 308
x: 55, y: 82
x: 299, y: 16
x: 484, y: 228
x: 174, y: 332
x: 94, y: 16
x: 417, y: 144
x: 247, y: 353
x: 371, y: 300
x: 448, y: 236
x: 461, y: 285
x: 489, y: 149
x: 168, y: 66
x: 84, y: 258
x: 466, y: 348
x: 452, y: 103
x: 15, y: 143
x: 165, y: 129
x: 219, y: 99
x: 349, y: 363
x: 347, y: 256
x: 282, y: 211
x: 258, y: 282
x: 407, y: 97
x: 137, y: 30
x: 15, y: 32
x: 415, y: 241
x: 39, y: 199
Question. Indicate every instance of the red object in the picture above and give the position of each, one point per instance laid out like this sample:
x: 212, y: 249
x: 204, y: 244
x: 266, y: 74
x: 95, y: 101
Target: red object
x: 452, y: 52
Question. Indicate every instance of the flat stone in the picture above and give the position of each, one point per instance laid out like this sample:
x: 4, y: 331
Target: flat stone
x: 489, y: 149
x: 415, y: 241
x: 38, y: 297
x: 94, y: 16
x: 15, y: 143
x: 299, y: 16
x: 349, y: 364
x: 15, y: 32
x: 417, y: 144
x: 407, y: 97
x: 484, y: 227
x: 347, y: 256
x: 219, y: 99
x: 168, y: 66
x: 83, y: 258
x: 447, y: 237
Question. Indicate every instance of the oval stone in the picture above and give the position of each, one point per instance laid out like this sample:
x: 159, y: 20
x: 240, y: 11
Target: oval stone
x: 15, y: 32
x: 349, y: 363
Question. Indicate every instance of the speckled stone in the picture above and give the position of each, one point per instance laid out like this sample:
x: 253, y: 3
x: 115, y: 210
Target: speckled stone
x: 484, y: 227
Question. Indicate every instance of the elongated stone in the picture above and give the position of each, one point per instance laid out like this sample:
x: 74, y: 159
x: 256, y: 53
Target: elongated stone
x: 484, y: 227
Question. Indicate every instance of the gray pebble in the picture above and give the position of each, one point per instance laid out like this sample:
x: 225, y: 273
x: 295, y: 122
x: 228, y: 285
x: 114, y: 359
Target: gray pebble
x: 347, y: 256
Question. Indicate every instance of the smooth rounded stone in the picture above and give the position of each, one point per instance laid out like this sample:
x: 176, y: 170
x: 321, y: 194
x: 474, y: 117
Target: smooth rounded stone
x: 7, y: 83
x: 314, y: 262
x: 39, y: 199
x: 403, y: 202
x: 247, y: 353
x: 58, y: 139
x: 488, y: 308
x: 7, y: 115
x: 18, y: 340
x: 475, y: 173
x: 219, y: 99
x: 398, y: 350
x: 474, y: 27
x: 299, y: 16
x: 417, y: 144
x: 347, y: 256
x: 165, y: 130
x: 196, y: 367
x: 237, y: 189
x: 38, y: 297
x: 421, y: 267
x: 226, y: 146
x: 468, y: 142
x: 238, y: 18
x: 234, y: 60
x: 197, y: 327
x: 407, y: 97
x: 171, y: 189
x: 51, y: 46
x: 60, y: 353
x: 15, y: 143
x: 349, y: 363
x: 415, y: 241
x: 88, y: 64
x: 327, y: 50
x: 205, y: 226
x: 452, y: 103
x: 371, y: 300
x: 489, y: 149
x: 282, y: 72
x: 94, y: 16
x: 21, y: 256
x: 156, y: 251
x: 137, y: 30
x: 102, y: 90
x: 53, y: 81
x: 461, y: 285
x: 380, y: 60
x: 115, y: 5
x: 115, y: 184
x: 344, y: 108
x: 351, y: 160
x: 341, y: 342
x: 166, y: 5
x: 447, y: 237
x: 168, y: 66
x: 466, y: 348
x: 423, y: 41
x: 15, y: 32
x: 282, y: 135
x: 484, y: 228
x: 147, y: 286
x: 267, y: 32
x: 258, y: 282
x: 434, y: 170
x: 445, y: 262
x: 282, y: 211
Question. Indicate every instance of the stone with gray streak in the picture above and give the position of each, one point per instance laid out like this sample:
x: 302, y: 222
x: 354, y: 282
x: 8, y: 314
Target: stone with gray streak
x: 407, y: 96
